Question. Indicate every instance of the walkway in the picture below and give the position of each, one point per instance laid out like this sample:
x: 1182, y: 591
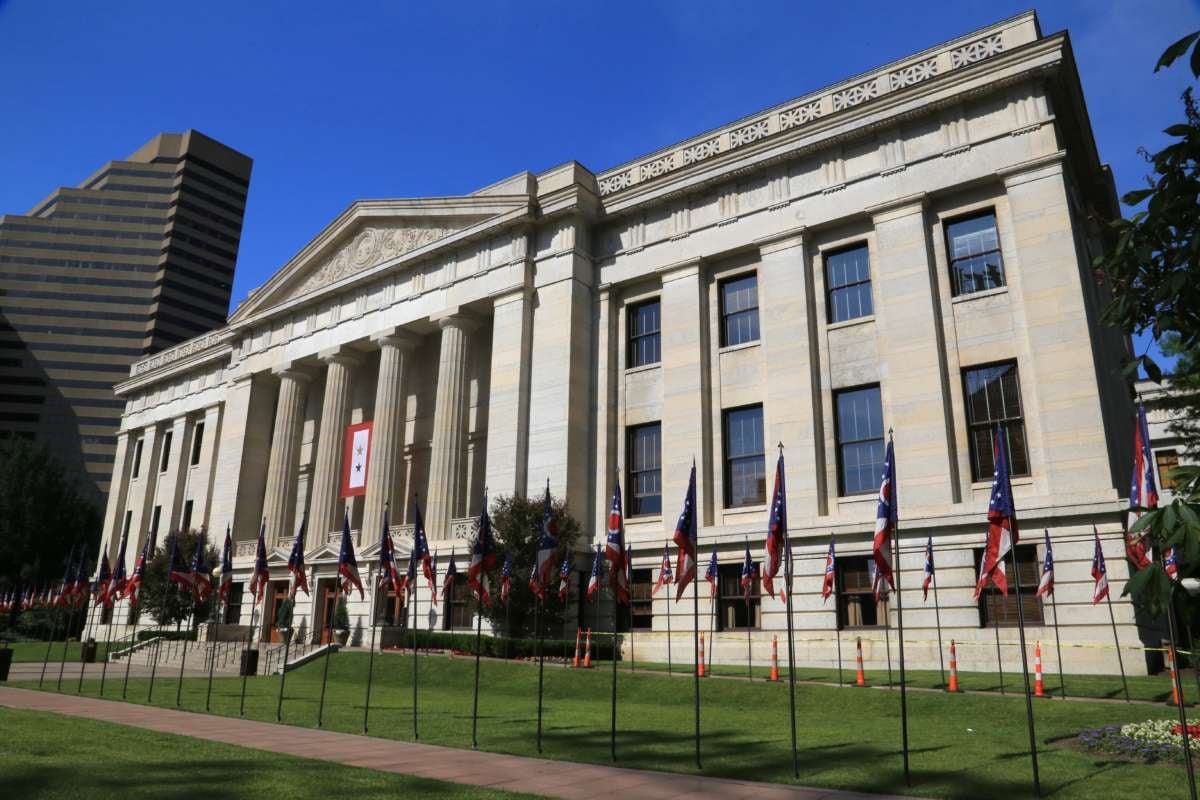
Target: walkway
x: 563, y: 779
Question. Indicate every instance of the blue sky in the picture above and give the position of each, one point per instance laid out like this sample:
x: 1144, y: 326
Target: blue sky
x: 341, y: 101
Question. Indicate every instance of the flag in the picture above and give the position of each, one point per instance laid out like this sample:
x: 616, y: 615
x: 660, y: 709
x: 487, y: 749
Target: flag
x: 116, y: 588
x: 388, y: 574
x: 614, y: 549
x: 81, y: 578
x: 1171, y: 564
x: 594, y: 581
x: 226, y: 566
x: 409, y: 582
x: 483, y: 557
x: 103, y: 581
x: 448, y: 581
x: 175, y: 573
x: 347, y: 564
x: 547, y: 544
x: 827, y: 584
x: 431, y: 575
x: 1142, y: 492
x: 420, y: 550
x: 67, y: 587
x: 928, y: 569
x: 747, y: 576
x: 685, y: 537
x: 712, y: 574
x: 776, y: 530
x: 201, y: 580
x: 262, y: 573
x: 564, y: 579
x: 506, y: 579
x: 1046, y: 581
x: 628, y: 565
x: 295, y: 563
x: 885, y: 525
x: 1099, y: 572
x: 133, y: 587
x: 788, y: 571
x: 665, y: 577
x: 1002, y: 533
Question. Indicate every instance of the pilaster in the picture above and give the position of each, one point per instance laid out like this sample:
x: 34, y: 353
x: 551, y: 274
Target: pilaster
x: 325, y: 510
x: 280, y: 499
x: 448, y: 446
x: 508, y: 398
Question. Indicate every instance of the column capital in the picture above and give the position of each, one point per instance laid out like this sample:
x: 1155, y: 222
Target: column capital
x: 340, y: 355
x: 455, y: 318
x: 292, y: 371
x: 396, y: 337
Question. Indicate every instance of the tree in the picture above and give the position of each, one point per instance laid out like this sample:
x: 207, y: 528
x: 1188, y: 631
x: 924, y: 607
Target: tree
x: 1153, y: 267
x: 517, y: 522
x: 1183, y: 401
x: 179, y: 605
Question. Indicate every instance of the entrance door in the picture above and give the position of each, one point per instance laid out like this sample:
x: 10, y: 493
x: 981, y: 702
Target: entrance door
x: 328, y: 592
x: 279, y: 593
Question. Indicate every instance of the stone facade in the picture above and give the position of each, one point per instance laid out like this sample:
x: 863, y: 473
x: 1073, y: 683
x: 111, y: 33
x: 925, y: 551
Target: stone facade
x: 487, y: 337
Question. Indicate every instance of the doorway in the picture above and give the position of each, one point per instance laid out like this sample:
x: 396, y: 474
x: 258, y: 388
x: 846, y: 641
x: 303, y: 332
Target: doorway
x: 279, y: 593
x: 327, y: 591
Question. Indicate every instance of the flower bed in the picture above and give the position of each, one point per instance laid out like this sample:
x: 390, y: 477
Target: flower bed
x: 1152, y: 741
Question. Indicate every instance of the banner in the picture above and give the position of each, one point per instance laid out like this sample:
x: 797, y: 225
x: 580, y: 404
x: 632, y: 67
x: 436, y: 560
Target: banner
x: 354, y: 462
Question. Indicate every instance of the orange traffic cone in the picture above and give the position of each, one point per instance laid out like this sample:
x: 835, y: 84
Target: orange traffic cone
x: 860, y: 678
x: 953, y: 668
x: 774, y: 658
x: 1171, y: 664
x: 1039, y: 688
x: 575, y: 661
x: 700, y: 661
x: 587, y: 653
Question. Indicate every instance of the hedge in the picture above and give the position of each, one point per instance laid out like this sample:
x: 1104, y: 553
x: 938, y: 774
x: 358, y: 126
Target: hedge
x: 503, y: 646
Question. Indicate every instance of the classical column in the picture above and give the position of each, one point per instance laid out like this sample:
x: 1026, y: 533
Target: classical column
x: 508, y: 393
x: 449, y: 444
x: 387, y: 432
x: 325, y: 512
x: 279, y: 505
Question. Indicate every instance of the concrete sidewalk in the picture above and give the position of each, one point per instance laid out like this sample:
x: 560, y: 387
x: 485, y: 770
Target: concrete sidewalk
x: 563, y: 779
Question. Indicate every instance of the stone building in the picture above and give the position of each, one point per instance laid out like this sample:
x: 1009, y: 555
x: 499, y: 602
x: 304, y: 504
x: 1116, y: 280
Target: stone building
x: 907, y: 249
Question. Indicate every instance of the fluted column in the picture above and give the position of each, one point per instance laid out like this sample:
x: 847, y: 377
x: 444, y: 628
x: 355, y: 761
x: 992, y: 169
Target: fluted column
x: 279, y: 502
x: 448, y: 448
x: 387, y: 433
x: 325, y: 512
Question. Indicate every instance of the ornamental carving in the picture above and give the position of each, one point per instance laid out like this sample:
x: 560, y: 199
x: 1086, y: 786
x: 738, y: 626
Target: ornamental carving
x: 748, y: 134
x: 800, y: 115
x: 371, y: 246
x: 699, y: 152
x: 617, y: 182
x: 977, y: 51
x: 179, y: 351
x: 659, y: 166
x: 855, y: 95
x: 914, y: 73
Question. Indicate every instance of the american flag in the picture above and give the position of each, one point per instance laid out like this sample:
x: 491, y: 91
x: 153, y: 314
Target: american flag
x: 747, y: 575
x: 628, y: 565
x: 776, y: 530
x: 262, y: 573
x: 226, y: 566
x: 201, y: 580
x: 81, y: 578
x: 594, y: 580
x: 483, y: 556
x: 68, y: 580
x: 665, y: 578
x: 1046, y: 581
x: 409, y: 582
x: 420, y: 550
x: 431, y: 575
x: 448, y: 581
x: 347, y: 564
x: 686, y: 537
x: 564, y: 579
x: 295, y: 563
x: 830, y: 574
x: 506, y: 579
x: 928, y: 569
x: 1170, y: 564
x: 176, y: 575
x: 389, y: 574
x: 712, y: 574
x: 1142, y: 493
x: 103, y: 580
x: 117, y: 587
x: 614, y: 549
x: 885, y: 525
x: 1099, y: 572
x: 1002, y: 533
x: 788, y: 571
x: 133, y: 587
x: 547, y: 546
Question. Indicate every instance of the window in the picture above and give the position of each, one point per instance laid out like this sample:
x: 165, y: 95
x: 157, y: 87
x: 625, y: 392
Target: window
x: 197, y: 443
x: 745, y: 467
x: 137, y: 456
x: 848, y: 275
x: 645, y: 327
x: 128, y: 522
x: 739, y: 310
x: 186, y: 523
x: 974, y: 249
x: 860, y: 440
x: 642, y: 583
x: 1166, y: 460
x: 645, y: 469
x: 154, y: 519
x: 996, y: 609
x: 458, y: 606
x: 165, y: 460
x: 733, y: 612
x: 233, y: 607
x: 993, y: 395
x: 856, y: 606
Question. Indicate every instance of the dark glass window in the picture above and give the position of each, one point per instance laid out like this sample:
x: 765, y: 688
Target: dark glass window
x: 848, y: 274
x: 641, y: 585
x: 197, y: 443
x: 389, y: 609
x: 993, y: 396
x: 860, y: 440
x: 996, y: 609
x: 856, y: 604
x: 974, y: 249
x: 233, y: 608
x: 458, y: 606
x: 733, y: 612
x: 645, y: 469
x: 165, y: 460
x: 739, y: 310
x: 155, y: 518
x: 1166, y: 460
x: 645, y: 326
x: 745, y: 467
x: 186, y: 523
x: 125, y: 527
x: 137, y: 457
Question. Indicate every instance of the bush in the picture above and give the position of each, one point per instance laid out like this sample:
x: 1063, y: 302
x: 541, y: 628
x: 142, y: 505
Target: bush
x: 341, y: 615
x: 283, y: 617
x: 500, y: 646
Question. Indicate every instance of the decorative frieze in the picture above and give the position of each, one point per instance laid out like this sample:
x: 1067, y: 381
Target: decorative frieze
x: 977, y: 50
x: 622, y: 180
x: 659, y: 166
x: 173, y: 354
x: 701, y: 151
x: 799, y: 115
x: 913, y: 73
x: 854, y: 95
x: 751, y: 133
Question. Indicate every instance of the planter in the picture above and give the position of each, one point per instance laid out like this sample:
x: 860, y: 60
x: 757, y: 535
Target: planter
x: 341, y: 636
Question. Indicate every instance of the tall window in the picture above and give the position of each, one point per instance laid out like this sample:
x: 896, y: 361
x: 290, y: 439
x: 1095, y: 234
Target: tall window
x: 1166, y: 460
x: 994, y: 398
x: 128, y: 522
x: 745, y: 467
x: 645, y: 469
x: 732, y: 610
x: 642, y: 583
x: 197, y: 443
x: 848, y: 276
x: 458, y: 607
x: 859, y: 440
x: 974, y: 248
x: 996, y: 609
x: 856, y: 606
x: 233, y: 608
x: 155, y: 517
x: 739, y: 310
x: 644, y: 333
x: 137, y: 457
x: 186, y: 524
x: 165, y: 459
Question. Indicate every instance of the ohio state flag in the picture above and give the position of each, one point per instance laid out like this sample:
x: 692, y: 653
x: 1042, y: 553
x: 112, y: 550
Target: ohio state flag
x: 354, y: 461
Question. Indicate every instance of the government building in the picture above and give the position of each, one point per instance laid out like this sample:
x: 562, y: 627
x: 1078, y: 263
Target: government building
x: 908, y: 249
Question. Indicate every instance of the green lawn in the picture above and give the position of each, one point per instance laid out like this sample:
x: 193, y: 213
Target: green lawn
x: 24, y: 652
x: 964, y: 746
x: 49, y: 756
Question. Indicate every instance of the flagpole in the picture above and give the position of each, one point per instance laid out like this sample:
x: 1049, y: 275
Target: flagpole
x: 183, y: 658
x: 937, y: 618
x: 414, y: 595
x: 287, y: 644
x: 612, y: 741
x: 82, y: 662
x: 1037, y: 785
x: 1178, y: 686
x: 787, y: 581
x: 132, y: 644
x: 712, y: 624
x: 370, y: 659
x: 158, y: 644
x: 246, y: 653
x: 669, y: 665
x: 541, y: 653
x: 212, y: 654
x: 887, y: 642
x: 695, y: 629
x: 107, y: 644
x: 894, y: 500
x: 507, y: 624
x: 66, y: 641
x: 1116, y: 644
x: 475, y: 705
x: 54, y: 622
x: 337, y: 597
x: 1000, y: 661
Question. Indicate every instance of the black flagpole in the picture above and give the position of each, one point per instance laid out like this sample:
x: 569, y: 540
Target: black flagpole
x: 413, y: 594
x: 246, y: 652
x: 1112, y: 619
x: 91, y: 615
x: 54, y: 623
x: 183, y: 659
x: 1062, y: 680
x: 66, y: 641
x: 158, y: 644
x: 541, y: 654
x: 894, y: 499
x: 132, y: 643
x: 371, y: 661
x: 887, y: 641
x: 108, y: 636
x: 475, y: 705
x: 999, y: 660
x: 612, y: 744
x: 1178, y: 686
x: 937, y: 618
x: 212, y: 651
x: 337, y: 596
x: 507, y: 621
x: 1037, y: 784
x: 787, y: 585
x: 287, y: 644
x: 696, y: 629
x: 670, y: 666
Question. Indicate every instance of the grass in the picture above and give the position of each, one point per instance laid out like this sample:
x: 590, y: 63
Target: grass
x: 26, y: 652
x: 52, y: 756
x: 964, y: 746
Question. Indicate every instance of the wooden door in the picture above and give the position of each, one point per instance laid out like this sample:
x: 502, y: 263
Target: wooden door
x: 328, y: 604
x: 279, y: 593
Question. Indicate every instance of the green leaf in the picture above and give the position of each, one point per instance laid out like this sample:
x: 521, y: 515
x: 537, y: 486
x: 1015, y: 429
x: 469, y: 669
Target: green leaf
x: 1153, y: 372
x: 1175, y: 51
x: 1138, y: 195
x: 1148, y: 519
x: 1178, y: 129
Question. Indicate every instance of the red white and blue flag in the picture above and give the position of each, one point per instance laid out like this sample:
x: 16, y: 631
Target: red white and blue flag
x: 81, y: 578
x: 389, y: 575
x: 885, y: 526
x: 564, y: 579
x: 506, y: 579
x: 1002, y: 532
x: 175, y: 574
x: 1142, y: 492
x: 261, y: 575
x: 483, y: 557
x: 68, y: 581
x: 420, y: 550
x: 133, y: 587
x: 594, y: 580
x: 103, y: 580
x: 547, y: 546
x: 712, y: 574
x: 295, y: 563
x: 226, y: 566
x: 1099, y: 571
x: 788, y: 572
x: 116, y: 588
x: 686, y: 538
x: 448, y: 581
x: 614, y: 549
x: 409, y: 582
x: 201, y: 580
x: 1170, y: 564
x: 776, y: 530
x: 928, y: 569
x: 665, y: 577
x: 1046, y: 581
x: 830, y: 573
x: 347, y: 563
x: 628, y: 565
x: 747, y: 575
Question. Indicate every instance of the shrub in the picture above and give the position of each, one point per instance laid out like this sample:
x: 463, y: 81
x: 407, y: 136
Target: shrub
x: 341, y: 615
